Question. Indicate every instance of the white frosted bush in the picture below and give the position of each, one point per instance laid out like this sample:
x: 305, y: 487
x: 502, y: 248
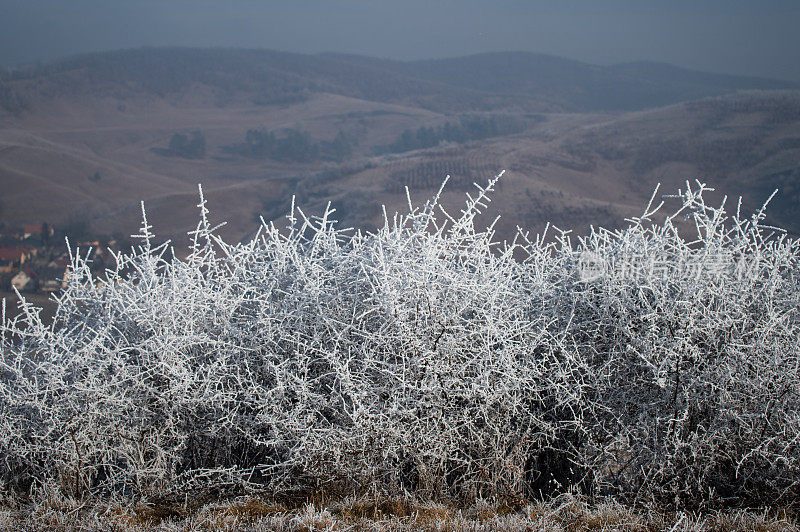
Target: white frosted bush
x: 422, y: 358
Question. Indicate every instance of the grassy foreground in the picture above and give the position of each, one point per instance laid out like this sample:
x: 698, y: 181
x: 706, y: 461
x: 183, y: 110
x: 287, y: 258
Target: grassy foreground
x: 564, y: 513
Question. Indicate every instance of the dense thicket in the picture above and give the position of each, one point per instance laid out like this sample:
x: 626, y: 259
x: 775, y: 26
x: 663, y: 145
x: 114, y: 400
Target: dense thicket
x: 421, y: 358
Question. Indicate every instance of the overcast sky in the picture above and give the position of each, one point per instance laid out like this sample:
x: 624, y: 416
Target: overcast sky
x: 752, y: 37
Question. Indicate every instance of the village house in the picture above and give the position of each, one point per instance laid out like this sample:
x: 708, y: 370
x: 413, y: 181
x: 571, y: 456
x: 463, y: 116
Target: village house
x: 51, y: 285
x: 31, y: 230
x: 25, y: 280
x: 13, y: 257
x: 28, y: 265
x: 39, y: 231
x: 52, y: 277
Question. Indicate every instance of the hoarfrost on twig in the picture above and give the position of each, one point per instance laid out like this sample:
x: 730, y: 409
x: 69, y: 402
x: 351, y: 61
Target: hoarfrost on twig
x: 423, y: 357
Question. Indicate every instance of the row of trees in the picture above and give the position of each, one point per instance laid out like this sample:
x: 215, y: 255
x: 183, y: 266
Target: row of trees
x: 191, y: 146
x: 291, y: 145
x: 463, y: 173
x: 296, y: 145
x: 467, y: 128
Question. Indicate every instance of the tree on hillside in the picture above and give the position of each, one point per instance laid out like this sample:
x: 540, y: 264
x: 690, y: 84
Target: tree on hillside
x: 294, y: 145
x: 193, y: 147
x: 46, y: 236
x: 467, y: 128
x: 341, y: 147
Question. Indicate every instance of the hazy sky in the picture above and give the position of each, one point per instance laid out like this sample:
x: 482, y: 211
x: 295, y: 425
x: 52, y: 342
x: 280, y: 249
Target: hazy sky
x: 755, y: 37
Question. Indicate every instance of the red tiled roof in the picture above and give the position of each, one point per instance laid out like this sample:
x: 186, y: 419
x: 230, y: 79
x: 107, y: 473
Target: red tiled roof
x: 12, y: 253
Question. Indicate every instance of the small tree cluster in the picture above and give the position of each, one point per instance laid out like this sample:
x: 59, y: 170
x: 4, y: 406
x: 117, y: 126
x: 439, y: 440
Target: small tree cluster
x: 421, y: 358
x: 292, y: 145
x: 469, y: 127
x: 192, y: 146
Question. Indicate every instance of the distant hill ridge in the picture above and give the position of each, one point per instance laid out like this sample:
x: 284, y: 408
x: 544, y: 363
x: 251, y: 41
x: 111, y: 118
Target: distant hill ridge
x: 488, y: 81
x: 84, y: 139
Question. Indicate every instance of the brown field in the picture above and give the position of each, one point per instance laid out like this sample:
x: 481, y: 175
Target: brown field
x: 573, y: 170
x: 565, y: 513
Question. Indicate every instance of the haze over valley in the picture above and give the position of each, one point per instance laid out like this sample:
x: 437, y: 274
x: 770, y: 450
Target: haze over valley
x: 84, y: 139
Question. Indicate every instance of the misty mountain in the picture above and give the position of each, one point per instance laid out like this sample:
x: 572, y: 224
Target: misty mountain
x: 585, y: 87
x: 489, y: 81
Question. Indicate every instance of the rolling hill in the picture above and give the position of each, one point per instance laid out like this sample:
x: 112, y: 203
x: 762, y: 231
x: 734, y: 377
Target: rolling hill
x: 483, y: 81
x: 87, y: 137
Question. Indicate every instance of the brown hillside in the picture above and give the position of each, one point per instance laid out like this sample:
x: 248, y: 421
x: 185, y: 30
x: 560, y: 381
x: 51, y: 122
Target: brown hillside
x: 95, y: 154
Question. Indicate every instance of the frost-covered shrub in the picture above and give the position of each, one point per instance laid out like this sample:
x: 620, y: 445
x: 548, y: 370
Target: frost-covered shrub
x: 423, y: 357
x: 696, y: 344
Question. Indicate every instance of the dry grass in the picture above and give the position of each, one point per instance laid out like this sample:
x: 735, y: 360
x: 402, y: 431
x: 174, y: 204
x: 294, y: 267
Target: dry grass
x: 565, y: 513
